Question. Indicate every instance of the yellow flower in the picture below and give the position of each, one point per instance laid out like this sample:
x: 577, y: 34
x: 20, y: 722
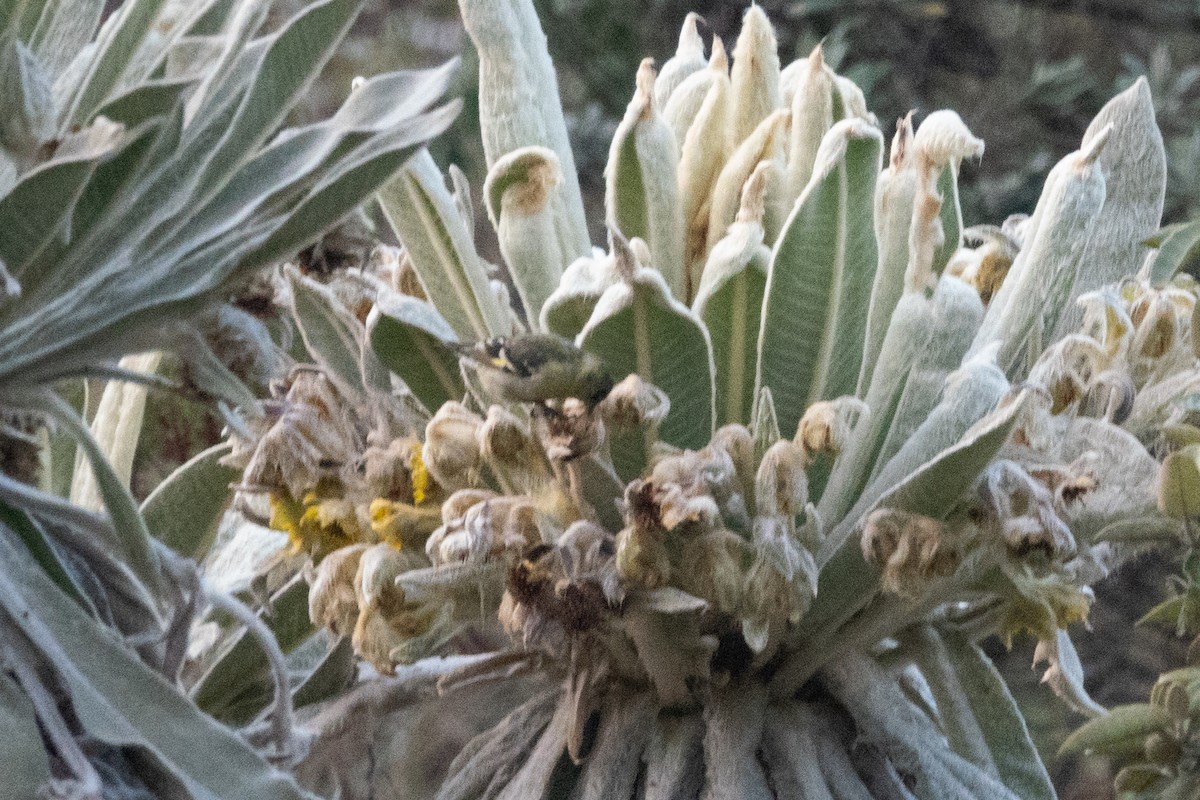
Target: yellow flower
x: 420, y: 477
x: 314, y: 525
x: 401, y: 524
x: 1043, y: 604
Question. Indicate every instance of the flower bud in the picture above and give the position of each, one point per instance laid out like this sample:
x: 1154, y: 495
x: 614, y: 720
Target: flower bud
x: 781, y: 487
x: 332, y: 597
x: 486, y: 531
x: 510, y: 449
x: 912, y: 549
x: 634, y: 403
x: 642, y: 558
x: 826, y: 426
x: 388, y: 470
x: 739, y: 444
x: 688, y: 60
x: 712, y: 567
x: 451, y: 451
x: 401, y: 524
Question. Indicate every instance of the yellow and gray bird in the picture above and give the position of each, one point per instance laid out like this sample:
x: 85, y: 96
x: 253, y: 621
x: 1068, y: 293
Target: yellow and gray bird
x: 538, y: 367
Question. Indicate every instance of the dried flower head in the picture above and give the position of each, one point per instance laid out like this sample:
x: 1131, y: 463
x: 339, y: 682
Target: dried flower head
x: 912, y: 550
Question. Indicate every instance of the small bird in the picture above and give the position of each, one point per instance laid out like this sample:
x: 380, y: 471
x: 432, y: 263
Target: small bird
x: 538, y: 367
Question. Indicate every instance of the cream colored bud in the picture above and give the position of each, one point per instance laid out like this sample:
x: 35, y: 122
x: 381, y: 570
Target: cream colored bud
x: 375, y: 580
x: 781, y: 486
x: 755, y: 75
x: 332, y: 596
x: 481, y: 533
x: 688, y: 60
x: 451, y: 451
x: 642, y: 558
x: 712, y: 567
x: 739, y: 444
x: 633, y: 403
x: 826, y: 426
x: 505, y: 440
x: 812, y: 116
x: 387, y: 470
x: 457, y: 504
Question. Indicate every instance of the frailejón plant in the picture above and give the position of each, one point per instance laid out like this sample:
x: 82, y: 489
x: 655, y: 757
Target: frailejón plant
x: 849, y: 437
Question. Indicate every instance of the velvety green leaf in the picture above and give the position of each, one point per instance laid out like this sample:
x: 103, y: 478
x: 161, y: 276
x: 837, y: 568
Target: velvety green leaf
x: 729, y: 302
x: 957, y: 312
x: 519, y: 104
x: 238, y: 684
x: 34, y: 537
x: 26, y: 762
x: 886, y: 718
x: 819, y: 283
x: 127, y: 521
x: 935, y: 488
x: 333, y: 336
x: 117, y: 47
x: 951, y: 216
x: 1179, y: 251
x: 1134, y: 163
x: 147, y: 100
x: 26, y: 96
x: 1000, y: 721
x: 410, y: 337
x: 33, y: 212
x: 63, y: 29
x: 518, y: 193
x: 181, y: 269
x: 568, y: 309
x: 641, y: 191
x: 332, y: 675
x: 183, y: 511
x: 1122, y: 726
x: 638, y: 327
x: 120, y: 700
x: 1025, y: 312
x: 423, y: 213
x: 291, y: 64
x: 894, y: 194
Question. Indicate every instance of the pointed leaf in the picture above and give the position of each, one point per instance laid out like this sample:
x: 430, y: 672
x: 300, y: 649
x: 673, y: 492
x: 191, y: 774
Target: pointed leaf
x: 729, y: 303
x: 1134, y: 164
x: 641, y: 191
x: 422, y: 212
x: 183, y: 511
x: 810, y: 344
x: 238, y: 684
x: 1016, y: 758
x: 1046, y: 271
x: 117, y: 46
x: 123, y: 702
x: 410, y: 337
x: 638, y: 327
x: 519, y: 104
x: 332, y: 335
